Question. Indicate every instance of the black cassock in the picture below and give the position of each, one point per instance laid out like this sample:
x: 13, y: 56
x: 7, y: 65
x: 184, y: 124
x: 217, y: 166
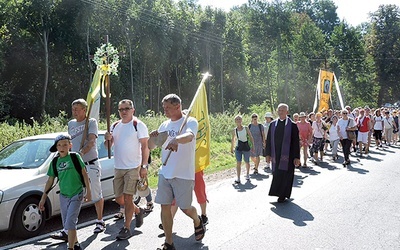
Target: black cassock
x: 282, y: 180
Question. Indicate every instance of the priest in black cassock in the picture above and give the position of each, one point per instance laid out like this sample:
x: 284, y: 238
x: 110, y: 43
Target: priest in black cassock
x: 283, y: 151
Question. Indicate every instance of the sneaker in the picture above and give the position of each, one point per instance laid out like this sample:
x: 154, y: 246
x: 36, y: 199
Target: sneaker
x: 237, y: 181
x: 139, y: 217
x: 124, y: 234
x: 255, y: 171
x: 204, y: 218
x: 61, y: 235
x: 247, y: 177
x: 100, y: 227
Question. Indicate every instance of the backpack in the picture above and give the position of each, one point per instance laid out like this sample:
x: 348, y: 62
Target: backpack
x: 135, y: 121
x: 76, y: 163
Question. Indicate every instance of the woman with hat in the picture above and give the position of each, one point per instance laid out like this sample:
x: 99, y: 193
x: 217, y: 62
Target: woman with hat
x: 305, y: 134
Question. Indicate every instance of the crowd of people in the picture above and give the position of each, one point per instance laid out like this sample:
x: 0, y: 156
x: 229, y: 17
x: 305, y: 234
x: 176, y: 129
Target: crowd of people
x: 79, y: 172
x: 310, y: 135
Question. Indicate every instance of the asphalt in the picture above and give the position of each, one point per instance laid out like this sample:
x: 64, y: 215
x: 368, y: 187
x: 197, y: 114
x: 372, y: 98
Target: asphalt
x: 332, y: 207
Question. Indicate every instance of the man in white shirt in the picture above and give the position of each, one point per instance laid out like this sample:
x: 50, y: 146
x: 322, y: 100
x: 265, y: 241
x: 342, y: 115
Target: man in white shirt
x: 177, y: 174
x: 130, y: 139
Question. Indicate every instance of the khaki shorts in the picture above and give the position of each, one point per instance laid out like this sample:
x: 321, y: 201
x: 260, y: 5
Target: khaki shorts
x: 125, y: 181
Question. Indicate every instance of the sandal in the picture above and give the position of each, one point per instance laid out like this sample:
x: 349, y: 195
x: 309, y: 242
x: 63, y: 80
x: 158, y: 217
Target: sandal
x: 149, y: 207
x: 200, y: 230
x: 167, y: 246
x: 119, y: 215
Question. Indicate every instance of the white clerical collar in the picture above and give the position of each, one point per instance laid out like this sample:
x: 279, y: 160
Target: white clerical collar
x: 276, y: 123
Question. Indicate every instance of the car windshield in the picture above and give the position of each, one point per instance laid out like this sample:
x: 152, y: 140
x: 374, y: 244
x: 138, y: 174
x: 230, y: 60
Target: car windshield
x: 25, y: 154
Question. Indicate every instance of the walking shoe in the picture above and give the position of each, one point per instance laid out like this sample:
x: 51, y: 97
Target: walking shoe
x: 247, y: 177
x: 167, y: 246
x: 77, y: 246
x: 139, y: 217
x: 160, y: 226
x: 61, y: 235
x: 204, y: 218
x: 119, y: 215
x: 124, y: 234
x: 100, y: 227
x: 237, y: 181
x: 149, y: 207
x: 255, y: 171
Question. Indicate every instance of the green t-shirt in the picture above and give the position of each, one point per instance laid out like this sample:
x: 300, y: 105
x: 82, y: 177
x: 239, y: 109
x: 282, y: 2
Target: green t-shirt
x: 69, y: 179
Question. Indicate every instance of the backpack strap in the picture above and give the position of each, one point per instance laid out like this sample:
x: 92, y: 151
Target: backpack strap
x: 77, y: 166
x: 54, y: 165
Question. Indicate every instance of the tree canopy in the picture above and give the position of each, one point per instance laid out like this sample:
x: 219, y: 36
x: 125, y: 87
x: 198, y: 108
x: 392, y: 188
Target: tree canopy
x: 260, y: 53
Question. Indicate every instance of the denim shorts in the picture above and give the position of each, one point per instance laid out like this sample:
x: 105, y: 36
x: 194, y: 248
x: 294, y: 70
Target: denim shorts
x: 70, y: 208
x: 246, y: 155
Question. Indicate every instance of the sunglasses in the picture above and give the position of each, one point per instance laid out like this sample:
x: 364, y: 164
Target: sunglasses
x: 124, y: 109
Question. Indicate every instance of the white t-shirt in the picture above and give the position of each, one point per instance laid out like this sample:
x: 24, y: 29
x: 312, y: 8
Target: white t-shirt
x: 127, y: 148
x: 333, y: 133
x: 388, y: 122
x: 266, y: 128
x: 343, y: 125
x: 180, y: 164
x: 378, y: 122
x: 317, y: 129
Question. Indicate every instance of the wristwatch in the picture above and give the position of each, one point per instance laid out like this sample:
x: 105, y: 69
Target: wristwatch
x: 144, y: 166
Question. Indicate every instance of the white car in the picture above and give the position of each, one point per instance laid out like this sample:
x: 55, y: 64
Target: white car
x: 23, y: 175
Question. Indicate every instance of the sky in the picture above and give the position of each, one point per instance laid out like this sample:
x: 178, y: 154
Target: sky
x: 353, y: 11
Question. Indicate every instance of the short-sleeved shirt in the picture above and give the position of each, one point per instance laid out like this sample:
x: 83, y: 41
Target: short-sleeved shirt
x: 69, y: 179
x: 318, y: 130
x: 378, y: 122
x: 127, y: 147
x: 388, y: 122
x: 180, y: 164
x: 75, y: 129
x: 343, y: 124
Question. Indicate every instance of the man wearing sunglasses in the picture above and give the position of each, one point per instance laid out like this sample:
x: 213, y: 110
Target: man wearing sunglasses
x: 130, y: 139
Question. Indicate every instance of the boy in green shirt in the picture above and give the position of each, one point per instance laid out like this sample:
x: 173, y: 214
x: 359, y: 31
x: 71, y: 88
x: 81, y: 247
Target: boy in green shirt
x: 71, y: 188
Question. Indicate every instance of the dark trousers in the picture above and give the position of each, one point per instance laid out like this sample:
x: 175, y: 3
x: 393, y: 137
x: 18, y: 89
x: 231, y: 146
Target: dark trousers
x: 346, y: 145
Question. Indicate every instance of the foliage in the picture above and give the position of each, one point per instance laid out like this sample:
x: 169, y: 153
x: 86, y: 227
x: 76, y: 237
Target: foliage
x: 260, y: 53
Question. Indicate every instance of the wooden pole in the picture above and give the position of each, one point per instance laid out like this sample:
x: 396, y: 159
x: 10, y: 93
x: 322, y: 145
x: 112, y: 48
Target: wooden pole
x: 85, y: 131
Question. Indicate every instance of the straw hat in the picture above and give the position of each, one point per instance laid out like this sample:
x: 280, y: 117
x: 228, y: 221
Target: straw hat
x: 142, y: 188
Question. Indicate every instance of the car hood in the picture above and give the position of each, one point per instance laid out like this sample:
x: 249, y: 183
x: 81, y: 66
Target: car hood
x: 14, y: 177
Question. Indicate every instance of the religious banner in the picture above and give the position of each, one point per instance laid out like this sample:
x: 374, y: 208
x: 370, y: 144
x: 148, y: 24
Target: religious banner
x: 326, y: 79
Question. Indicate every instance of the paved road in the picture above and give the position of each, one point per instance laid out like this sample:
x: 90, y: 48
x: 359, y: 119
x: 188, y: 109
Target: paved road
x: 331, y: 208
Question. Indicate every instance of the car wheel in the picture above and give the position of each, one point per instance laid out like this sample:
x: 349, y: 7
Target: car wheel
x: 28, y: 219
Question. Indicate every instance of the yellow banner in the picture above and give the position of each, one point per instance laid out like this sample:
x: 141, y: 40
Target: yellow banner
x: 203, y: 138
x: 326, y: 81
x: 93, y: 97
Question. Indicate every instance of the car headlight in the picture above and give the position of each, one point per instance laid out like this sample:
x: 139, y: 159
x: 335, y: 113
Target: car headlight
x: 1, y: 196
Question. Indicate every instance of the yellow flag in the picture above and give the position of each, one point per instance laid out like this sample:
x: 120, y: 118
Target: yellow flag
x: 326, y: 81
x: 203, y: 138
x: 93, y: 96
